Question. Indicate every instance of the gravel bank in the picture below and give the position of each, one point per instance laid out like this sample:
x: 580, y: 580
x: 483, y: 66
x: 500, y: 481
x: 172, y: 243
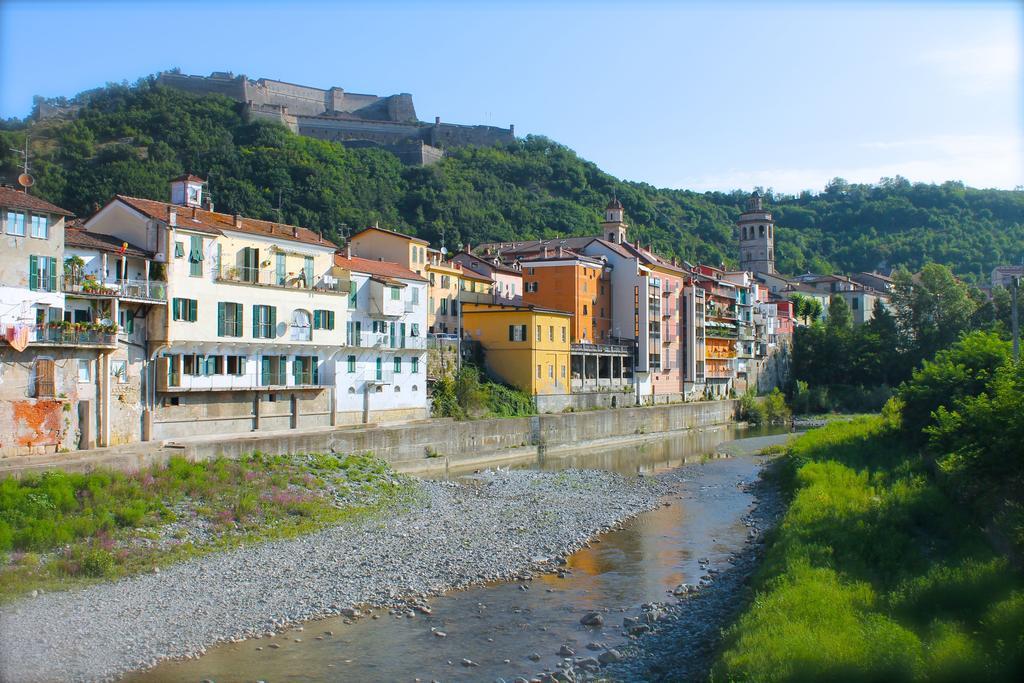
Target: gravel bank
x: 685, y: 636
x: 495, y: 527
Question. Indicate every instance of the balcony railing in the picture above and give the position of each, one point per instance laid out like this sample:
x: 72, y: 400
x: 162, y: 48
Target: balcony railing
x: 269, y: 277
x: 70, y: 336
x: 168, y: 380
x: 620, y: 349
x: 378, y: 340
x: 147, y: 290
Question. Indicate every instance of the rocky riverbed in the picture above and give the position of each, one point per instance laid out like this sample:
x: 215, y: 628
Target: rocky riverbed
x: 499, y: 525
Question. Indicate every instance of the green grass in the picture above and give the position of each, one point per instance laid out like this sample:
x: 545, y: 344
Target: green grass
x: 874, y: 574
x: 59, y: 529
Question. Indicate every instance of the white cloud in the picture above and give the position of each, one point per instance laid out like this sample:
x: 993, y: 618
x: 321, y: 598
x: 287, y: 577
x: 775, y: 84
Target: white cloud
x: 977, y: 160
x: 981, y: 67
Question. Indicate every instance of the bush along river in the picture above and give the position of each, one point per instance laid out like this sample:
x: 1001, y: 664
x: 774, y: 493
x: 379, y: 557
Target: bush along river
x: 578, y: 567
x: 645, y: 600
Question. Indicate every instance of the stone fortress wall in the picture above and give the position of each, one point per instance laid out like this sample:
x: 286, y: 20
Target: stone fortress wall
x: 389, y: 122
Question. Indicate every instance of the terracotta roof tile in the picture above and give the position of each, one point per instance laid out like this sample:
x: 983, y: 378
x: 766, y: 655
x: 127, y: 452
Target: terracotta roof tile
x: 379, y: 268
x: 201, y: 220
x: 16, y: 199
x: 78, y: 237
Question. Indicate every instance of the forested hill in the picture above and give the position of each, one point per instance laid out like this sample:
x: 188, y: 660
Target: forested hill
x: 131, y: 140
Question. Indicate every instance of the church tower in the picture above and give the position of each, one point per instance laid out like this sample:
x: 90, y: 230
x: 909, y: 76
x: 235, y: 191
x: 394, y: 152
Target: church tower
x: 757, y: 237
x: 613, y: 227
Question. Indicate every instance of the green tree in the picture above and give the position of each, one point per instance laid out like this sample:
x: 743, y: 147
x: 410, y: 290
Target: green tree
x: 932, y: 308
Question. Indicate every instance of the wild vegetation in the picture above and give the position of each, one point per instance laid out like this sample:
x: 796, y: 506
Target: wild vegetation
x: 837, y: 366
x: 900, y: 555
x: 132, y: 139
x: 468, y: 397
x: 60, y: 529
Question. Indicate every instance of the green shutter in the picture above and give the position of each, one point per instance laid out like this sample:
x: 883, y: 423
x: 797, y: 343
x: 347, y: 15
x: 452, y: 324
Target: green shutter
x: 33, y: 272
x: 330, y: 320
x: 265, y: 370
x: 273, y: 322
x: 220, y: 319
x: 193, y: 305
x: 256, y: 321
x: 316, y: 369
x: 282, y: 368
x: 175, y: 309
x: 179, y: 250
x: 53, y: 274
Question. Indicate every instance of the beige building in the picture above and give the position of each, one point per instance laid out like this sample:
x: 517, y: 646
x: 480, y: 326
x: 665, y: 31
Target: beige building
x: 254, y: 317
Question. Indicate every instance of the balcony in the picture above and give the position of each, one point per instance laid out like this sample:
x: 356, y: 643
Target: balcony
x: 613, y: 349
x: 151, y: 291
x: 329, y: 283
x: 383, y: 340
x: 72, y: 334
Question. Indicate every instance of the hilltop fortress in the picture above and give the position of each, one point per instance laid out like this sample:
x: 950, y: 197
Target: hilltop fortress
x: 355, y: 119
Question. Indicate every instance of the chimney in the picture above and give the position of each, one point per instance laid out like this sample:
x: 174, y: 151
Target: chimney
x: 238, y: 221
x: 172, y: 218
x: 348, y: 250
x: 193, y: 212
x: 295, y: 231
x: 437, y: 120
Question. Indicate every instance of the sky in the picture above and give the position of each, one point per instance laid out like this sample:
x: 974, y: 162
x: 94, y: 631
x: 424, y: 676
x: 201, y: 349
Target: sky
x: 701, y: 96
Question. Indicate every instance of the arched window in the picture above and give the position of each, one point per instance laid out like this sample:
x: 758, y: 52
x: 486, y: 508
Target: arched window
x: 397, y: 388
x: 415, y: 387
x: 351, y: 390
x: 762, y: 231
x: 301, y: 328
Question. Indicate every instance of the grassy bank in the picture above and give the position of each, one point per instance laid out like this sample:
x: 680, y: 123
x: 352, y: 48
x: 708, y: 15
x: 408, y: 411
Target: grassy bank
x: 875, y: 574
x: 59, y: 530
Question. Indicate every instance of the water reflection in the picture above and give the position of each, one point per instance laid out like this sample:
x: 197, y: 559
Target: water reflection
x: 491, y: 624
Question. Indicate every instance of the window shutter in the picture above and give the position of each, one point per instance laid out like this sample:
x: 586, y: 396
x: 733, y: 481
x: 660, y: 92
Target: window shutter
x: 330, y: 320
x: 192, y: 312
x: 53, y: 274
x: 273, y: 322
x: 315, y: 362
x: 282, y: 368
x: 33, y: 272
x: 256, y: 321
x: 265, y: 370
x: 316, y: 319
x: 511, y: 332
x: 175, y: 309
x: 220, y: 319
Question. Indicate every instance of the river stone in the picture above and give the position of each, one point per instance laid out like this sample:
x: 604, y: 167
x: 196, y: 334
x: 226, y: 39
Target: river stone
x: 566, y: 651
x: 610, y: 656
x: 592, y: 619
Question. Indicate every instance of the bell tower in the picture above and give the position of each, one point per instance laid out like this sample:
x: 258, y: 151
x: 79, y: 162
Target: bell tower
x: 613, y: 227
x: 757, y: 237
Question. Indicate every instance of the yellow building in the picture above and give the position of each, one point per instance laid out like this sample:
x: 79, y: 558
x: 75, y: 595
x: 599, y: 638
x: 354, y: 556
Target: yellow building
x: 525, y: 346
x: 378, y: 244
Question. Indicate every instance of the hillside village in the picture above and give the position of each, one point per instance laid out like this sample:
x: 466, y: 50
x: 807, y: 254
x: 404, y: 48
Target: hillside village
x: 153, y: 320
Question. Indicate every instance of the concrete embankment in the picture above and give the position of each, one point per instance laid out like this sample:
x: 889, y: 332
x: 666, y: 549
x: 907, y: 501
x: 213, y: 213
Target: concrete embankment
x: 425, y: 447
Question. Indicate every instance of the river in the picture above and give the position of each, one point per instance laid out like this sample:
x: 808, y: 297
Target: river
x: 498, y: 626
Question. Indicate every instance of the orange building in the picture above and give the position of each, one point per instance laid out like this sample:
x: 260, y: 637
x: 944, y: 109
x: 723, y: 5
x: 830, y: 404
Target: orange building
x: 563, y: 280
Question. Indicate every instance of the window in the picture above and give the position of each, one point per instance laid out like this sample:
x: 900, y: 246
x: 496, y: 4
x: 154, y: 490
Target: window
x: 856, y: 302
x: 432, y: 280
x: 42, y: 273
x: 563, y: 372
x: 585, y: 310
x: 40, y: 227
x: 414, y: 330
x: 380, y: 369
x: 446, y: 281
x: 307, y: 272
x: 516, y: 333
x: 398, y: 365
x: 280, y: 271
x: 16, y: 223
x: 351, y: 364
x: 264, y: 321
x: 229, y: 319
x: 84, y: 370
x: 538, y: 372
x: 195, y: 257
x: 207, y: 366
x: 415, y: 366
x: 551, y: 371
x: 126, y: 321
x: 455, y: 306
x: 323, y: 319
x: 352, y: 295
x: 353, y: 332
x: 119, y: 370
x: 563, y: 334
x: 302, y: 325
x: 444, y: 306
x: 44, y: 386
x: 184, y: 309
x: 551, y: 333
x: 414, y: 296
x: 538, y: 332
x: 250, y: 271
x: 190, y: 364
x: 235, y: 365
x: 273, y: 370
x: 306, y: 370
x: 396, y: 294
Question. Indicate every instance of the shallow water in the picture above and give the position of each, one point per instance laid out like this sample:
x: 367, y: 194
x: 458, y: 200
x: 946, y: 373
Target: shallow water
x: 489, y: 624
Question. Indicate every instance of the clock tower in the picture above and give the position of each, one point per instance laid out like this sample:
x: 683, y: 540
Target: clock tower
x: 187, y: 190
x: 757, y: 237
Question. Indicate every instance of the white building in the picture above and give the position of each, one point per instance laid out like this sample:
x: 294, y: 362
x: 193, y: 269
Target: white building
x: 381, y: 374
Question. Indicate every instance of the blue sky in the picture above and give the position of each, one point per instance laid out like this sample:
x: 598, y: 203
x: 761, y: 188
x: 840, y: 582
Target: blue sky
x: 689, y: 95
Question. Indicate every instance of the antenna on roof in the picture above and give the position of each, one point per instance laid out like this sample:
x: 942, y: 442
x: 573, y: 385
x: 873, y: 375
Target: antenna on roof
x: 25, y: 180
